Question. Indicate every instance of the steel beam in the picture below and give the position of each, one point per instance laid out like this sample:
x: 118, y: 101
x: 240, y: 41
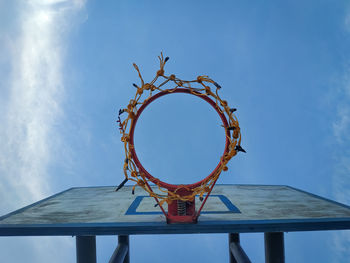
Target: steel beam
x: 237, y: 254
x: 86, y: 249
x: 121, y: 253
x: 274, y: 247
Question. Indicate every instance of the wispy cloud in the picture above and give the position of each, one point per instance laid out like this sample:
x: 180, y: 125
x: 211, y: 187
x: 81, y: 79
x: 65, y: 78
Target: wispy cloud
x: 341, y: 127
x: 341, y: 175
x: 34, y: 96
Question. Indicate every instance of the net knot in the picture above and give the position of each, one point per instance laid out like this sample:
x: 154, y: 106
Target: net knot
x: 160, y: 72
x: 125, y: 138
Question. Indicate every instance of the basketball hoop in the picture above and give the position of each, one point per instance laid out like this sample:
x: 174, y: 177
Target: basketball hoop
x: 180, y: 198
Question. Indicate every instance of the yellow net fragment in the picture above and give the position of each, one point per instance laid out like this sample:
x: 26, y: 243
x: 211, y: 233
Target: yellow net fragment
x: 201, y: 86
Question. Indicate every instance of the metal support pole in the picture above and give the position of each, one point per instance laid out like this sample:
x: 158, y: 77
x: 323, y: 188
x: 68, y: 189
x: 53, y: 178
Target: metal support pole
x: 232, y: 237
x: 121, y: 253
x: 86, y: 249
x: 274, y: 247
x: 237, y: 254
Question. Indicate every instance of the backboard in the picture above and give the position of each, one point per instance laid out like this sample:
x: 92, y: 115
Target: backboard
x: 229, y: 209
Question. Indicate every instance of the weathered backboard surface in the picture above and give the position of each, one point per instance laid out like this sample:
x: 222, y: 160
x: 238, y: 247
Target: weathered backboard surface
x: 229, y: 209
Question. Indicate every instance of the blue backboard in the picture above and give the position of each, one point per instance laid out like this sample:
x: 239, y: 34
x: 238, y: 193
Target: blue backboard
x: 229, y: 209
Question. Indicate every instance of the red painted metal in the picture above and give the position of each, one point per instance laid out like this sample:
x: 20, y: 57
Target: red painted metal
x: 189, y: 217
x: 205, y: 199
x: 161, y: 207
x: 172, y: 215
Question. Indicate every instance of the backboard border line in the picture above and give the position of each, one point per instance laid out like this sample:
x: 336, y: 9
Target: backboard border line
x: 137, y: 201
x: 238, y: 226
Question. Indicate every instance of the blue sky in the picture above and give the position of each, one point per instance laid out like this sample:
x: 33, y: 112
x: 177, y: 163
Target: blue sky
x: 66, y: 69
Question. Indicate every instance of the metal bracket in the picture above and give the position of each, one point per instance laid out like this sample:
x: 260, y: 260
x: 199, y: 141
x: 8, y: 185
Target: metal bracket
x: 121, y: 253
x: 237, y: 254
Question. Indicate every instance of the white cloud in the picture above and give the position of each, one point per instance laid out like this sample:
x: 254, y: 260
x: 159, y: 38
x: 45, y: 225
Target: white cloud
x: 341, y: 126
x: 341, y: 175
x: 341, y: 155
x: 347, y: 20
x: 34, y: 94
